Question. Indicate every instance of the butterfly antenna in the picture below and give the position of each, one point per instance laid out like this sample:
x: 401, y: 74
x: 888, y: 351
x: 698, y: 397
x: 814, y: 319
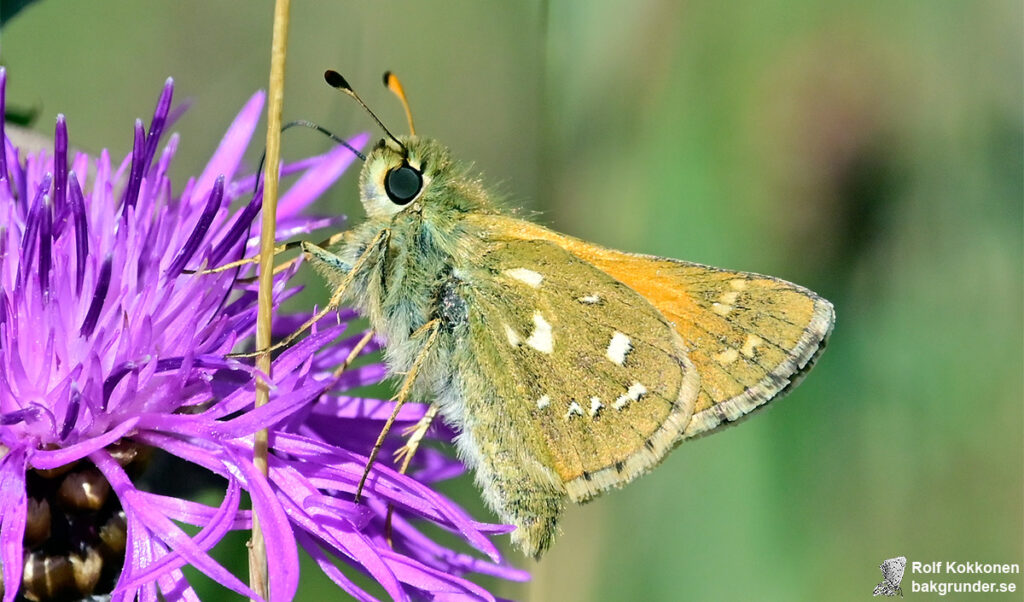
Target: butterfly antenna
x: 312, y: 126
x: 391, y: 83
x: 335, y: 80
x: 325, y: 132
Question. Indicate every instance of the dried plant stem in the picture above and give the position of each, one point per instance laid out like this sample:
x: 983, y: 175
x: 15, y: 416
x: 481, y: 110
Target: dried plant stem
x: 275, y: 101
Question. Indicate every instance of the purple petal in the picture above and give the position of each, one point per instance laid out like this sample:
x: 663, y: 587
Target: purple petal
x: 291, y: 227
x: 312, y: 501
x: 98, y: 299
x: 160, y: 526
x: 283, y: 563
x: 354, y: 544
x: 138, y: 554
x: 267, y: 415
x: 437, y: 467
x: 32, y: 225
x: 248, y: 183
x: 341, y: 470
x: 213, y: 530
x: 377, y: 410
x: 204, y: 455
x: 14, y: 501
x: 174, y: 586
x: 60, y: 163
x: 238, y: 231
x: 431, y: 580
x: 177, y: 112
x: 55, y: 458
x: 45, y: 245
x: 19, y: 416
x: 131, y: 194
x: 362, y: 376
x: 329, y: 569
x: 156, y: 126
x: 3, y: 135
x: 194, y: 513
x: 186, y: 252
x: 427, y: 550
x: 77, y: 206
x: 318, y: 179
x: 369, y: 558
x: 225, y: 159
x: 72, y: 414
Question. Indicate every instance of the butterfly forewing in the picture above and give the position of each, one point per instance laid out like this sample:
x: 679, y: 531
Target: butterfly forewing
x: 751, y: 337
x: 597, y: 371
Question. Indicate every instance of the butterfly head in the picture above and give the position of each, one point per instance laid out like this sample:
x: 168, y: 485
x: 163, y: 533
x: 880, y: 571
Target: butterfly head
x: 409, y: 173
x: 399, y: 177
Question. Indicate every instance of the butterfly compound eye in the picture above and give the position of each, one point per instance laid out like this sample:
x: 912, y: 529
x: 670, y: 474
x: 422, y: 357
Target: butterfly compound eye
x: 403, y: 184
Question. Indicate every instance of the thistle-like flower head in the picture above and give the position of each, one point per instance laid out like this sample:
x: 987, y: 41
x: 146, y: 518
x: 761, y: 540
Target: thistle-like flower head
x: 112, y: 344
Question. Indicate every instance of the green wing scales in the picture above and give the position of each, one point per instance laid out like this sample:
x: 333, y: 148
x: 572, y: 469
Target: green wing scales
x: 576, y: 384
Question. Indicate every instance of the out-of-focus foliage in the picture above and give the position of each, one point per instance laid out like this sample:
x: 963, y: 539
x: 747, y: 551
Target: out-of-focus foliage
x: 9, y: 8
x: 871, y: 151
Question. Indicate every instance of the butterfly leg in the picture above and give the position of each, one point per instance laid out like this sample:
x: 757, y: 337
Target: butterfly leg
x: 277, y: 251
x: 405, y: 454
x: 319, y: 253
x: 430, y: 330
x: 415, y: 434
x: 352, y: 355
x: 244, y: 261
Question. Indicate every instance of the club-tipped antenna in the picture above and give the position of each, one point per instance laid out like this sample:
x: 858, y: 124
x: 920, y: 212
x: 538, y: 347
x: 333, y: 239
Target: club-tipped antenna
x: 391, y: 83
x: 335, y: 80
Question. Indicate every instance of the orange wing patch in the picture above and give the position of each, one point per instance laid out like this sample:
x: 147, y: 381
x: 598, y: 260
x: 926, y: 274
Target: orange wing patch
x: 751, y: 337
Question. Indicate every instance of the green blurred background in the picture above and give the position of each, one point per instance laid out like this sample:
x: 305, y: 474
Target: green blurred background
x: 870, y: 150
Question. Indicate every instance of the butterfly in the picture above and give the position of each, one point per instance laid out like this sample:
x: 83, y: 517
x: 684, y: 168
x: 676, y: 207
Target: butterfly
x: 567, y: 369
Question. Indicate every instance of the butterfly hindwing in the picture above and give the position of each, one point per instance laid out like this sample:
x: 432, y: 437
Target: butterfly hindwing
x: 598, y: 371
x: 575, y: 384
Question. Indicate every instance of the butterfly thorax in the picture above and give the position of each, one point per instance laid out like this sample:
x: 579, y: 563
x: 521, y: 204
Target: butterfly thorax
x: 410, y: 283
x: 415, y: 252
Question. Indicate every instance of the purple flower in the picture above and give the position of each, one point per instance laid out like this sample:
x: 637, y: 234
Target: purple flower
x: 111, y: 346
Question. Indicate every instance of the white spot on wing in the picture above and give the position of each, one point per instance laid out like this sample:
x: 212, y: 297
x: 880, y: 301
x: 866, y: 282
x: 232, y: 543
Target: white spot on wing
x: 595, y: 406
x: 633, y: 393
x: 543, y: 402
x: 721, y: 309
x: 574, y: 410
x: 524, y: 275
x: 541, y: 339
x: 749, y: 344
x: 738, y: 284
x: 513, y: 337
x: 590, y: 299
x: 727, y: 357
x: 729, y: 298
x: 618, y: 347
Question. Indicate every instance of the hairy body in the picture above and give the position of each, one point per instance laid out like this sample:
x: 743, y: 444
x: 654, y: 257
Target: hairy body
x: 567, y: 369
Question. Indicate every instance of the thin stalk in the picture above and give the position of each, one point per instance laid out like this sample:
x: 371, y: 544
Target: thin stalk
x: 275, y: 101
